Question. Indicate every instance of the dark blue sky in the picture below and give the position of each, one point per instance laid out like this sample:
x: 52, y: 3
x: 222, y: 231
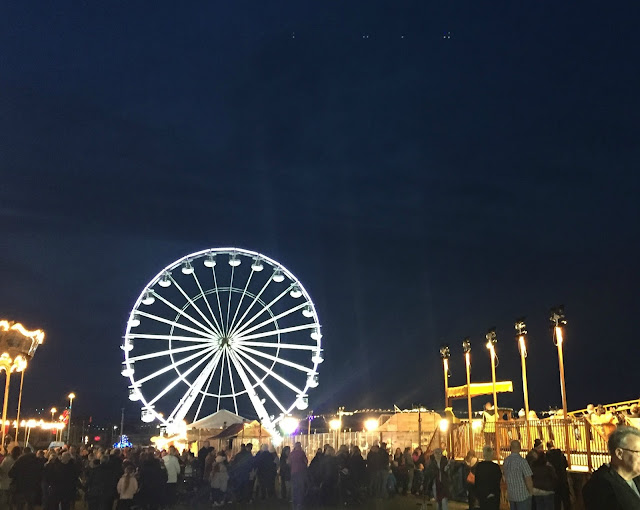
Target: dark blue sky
x: 423, y: 188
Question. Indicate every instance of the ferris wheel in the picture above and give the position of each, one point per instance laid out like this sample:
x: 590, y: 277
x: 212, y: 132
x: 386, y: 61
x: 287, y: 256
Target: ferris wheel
x: 223, y: 328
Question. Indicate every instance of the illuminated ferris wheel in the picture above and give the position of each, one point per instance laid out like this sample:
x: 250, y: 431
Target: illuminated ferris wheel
x: 224, y: 328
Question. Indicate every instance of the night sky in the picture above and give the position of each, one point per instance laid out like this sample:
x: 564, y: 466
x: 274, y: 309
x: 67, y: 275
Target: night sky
x: 427, y: 169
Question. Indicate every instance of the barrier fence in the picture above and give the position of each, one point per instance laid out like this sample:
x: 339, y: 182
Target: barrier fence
x: 586, y: 449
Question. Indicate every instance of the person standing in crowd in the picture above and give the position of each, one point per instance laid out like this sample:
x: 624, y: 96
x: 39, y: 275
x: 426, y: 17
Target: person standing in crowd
x: 518, y: 475
x: 5, y: 466
x: 26, y: 475
x: 469, y: 473
x: 616, y: 486
x: 557, y: 459
x: 285, y: 474
x: 408, y: 462
x: 489, y: 424
x: 202, y: 456
x: 219, y: 481
x: 544, y: 480
x: 99, y: 485
x: 127, y: 488
x: 172, y: 466
x: 438, y: 470
x: 152, y: 481
x: 298, y: 462
x: 488, y: 477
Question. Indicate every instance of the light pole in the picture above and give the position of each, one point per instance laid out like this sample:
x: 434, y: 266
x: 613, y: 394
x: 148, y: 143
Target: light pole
x: 71, y: 397
x: 521, y: 329
x: 466, y: 347
x: 445, y: 354
x: 558, y: 322
x: 492, y: 340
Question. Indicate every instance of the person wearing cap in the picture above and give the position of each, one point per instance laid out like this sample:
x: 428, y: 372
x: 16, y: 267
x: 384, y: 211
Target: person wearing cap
x: 536, y: 451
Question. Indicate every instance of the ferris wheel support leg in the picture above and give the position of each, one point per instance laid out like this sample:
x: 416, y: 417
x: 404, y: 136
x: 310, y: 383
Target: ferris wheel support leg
x: 253, y: 396
x: 181, y: 410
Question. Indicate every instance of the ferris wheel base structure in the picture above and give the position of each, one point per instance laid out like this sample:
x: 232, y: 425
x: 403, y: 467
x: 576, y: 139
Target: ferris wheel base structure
x: 223, y: 328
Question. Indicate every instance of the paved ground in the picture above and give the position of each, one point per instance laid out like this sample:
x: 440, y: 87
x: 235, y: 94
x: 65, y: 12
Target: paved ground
x: 397, y: 503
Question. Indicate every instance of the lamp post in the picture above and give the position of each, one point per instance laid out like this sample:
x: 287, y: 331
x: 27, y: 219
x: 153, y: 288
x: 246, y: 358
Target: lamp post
x: 521, y: 329
x: 445, y: 354
x: 492, y: 340
x: 70, y: 397
x: 17, y: 345
x: 19, y: 406
x: 558, y: 322
x: 466, y: 347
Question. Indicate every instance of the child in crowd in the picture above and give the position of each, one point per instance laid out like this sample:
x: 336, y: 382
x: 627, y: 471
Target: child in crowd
x: 219, y: 479
x: 127, y: 488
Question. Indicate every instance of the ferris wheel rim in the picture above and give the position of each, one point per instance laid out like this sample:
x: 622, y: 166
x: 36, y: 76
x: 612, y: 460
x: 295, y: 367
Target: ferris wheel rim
x: 237, y: 357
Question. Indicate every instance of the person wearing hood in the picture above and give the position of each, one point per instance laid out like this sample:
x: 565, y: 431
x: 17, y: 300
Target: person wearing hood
x: 219, y: 479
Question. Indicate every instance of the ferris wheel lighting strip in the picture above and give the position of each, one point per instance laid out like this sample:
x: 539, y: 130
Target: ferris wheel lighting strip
x: 277, y: 332
x: 215, y: 282
x: 275, y: 318
x: 224, y: 353
x: 233, y: 390
x: 187, y: 400
x: 258, y: 405
x: 268, y: 371
x: 246, y: 286
x: 263, y: 386
x: 264, y: 309
x: 264, y: 355
x: 233, y: 269
x: 195, y: 418
x: 171, y: 367
x: 204, y: 328
x: 246, y: 312
x: 217, y: 327
x: 168, y: 352
x: 277, y: 345
x: 176, y: 324
x: 206, y: 340
x: 172, y: 385
x: 191, y: 302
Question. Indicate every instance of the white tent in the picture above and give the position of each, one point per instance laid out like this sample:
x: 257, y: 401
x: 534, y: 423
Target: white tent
x: 218, y: 420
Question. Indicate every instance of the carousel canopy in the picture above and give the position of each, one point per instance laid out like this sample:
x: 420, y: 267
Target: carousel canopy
x: 218, y: 420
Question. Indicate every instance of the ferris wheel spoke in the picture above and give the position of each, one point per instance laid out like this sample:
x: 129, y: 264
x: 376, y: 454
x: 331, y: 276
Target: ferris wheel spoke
x: 185, y: 315
x: 285, y: 362
x: 181, y: 377
x: 246, y: 286
x: 229, y: 303
x: 233, y: 389
x: 253, y: 302
x: 174, y: 365
x: 173, y: 323
x: 177, y: 338
x: 275, y: 318
x: 215, y: 283
x: 276, y: 332
x: 263, y: 415
x: 206, y: 390
x: 194, y: 390
x: 268, y: 371
x: 264, y: 309
x: 167, y: 352
x: 206, y: 300
x: 261, y: 383
x: 280, y: 346
x: 190, y: 301
x: 224, y: 353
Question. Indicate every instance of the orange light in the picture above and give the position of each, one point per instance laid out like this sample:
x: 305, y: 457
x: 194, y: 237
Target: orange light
x: 559, y: 334
x: 37, y: 334
x: 523, y: 347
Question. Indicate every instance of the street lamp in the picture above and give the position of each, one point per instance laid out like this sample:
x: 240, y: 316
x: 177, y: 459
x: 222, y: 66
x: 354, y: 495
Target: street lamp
x: 492, y: 340
x: 521, y: 335
x: 70, y: 397
x: 466, y: 347
x: 558, y: 322
x: 445, y: 354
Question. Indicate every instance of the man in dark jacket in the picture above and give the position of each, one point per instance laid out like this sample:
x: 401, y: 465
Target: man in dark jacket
x: 556, y: 458
x: 26, y: 474
x: 616, y: 486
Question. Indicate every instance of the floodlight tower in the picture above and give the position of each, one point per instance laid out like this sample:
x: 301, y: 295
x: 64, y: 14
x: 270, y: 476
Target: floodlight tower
x: 558, y: 322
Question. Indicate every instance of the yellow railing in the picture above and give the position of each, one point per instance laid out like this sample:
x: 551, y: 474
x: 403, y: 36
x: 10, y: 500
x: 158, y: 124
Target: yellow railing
x: 586, y: 449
